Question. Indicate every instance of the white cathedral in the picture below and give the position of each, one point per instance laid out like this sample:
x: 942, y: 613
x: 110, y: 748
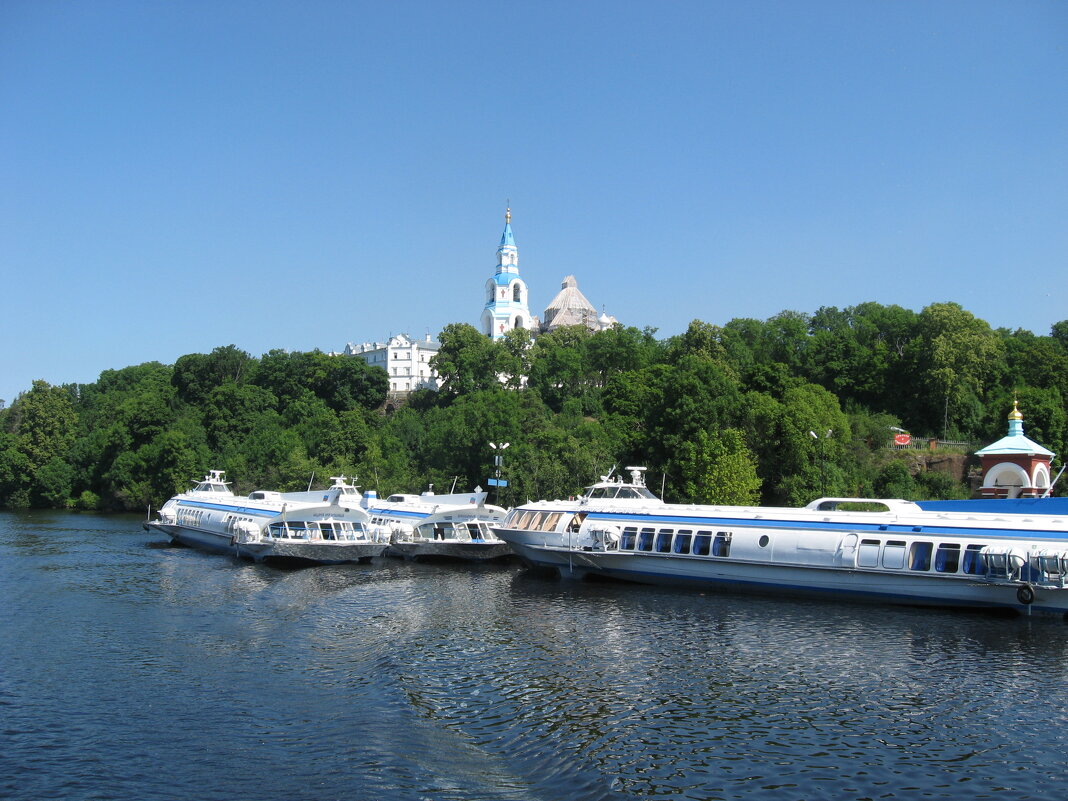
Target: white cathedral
x: 507, y: 304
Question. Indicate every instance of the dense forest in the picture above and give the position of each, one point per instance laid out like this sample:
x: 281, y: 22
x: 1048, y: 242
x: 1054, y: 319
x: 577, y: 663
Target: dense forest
x: 779, y: 411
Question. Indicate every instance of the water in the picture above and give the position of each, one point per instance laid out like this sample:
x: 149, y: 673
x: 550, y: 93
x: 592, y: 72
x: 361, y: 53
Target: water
x: 130, y: 669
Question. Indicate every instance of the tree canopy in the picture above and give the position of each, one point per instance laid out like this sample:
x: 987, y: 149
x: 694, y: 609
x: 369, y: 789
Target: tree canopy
x: 778, y: 411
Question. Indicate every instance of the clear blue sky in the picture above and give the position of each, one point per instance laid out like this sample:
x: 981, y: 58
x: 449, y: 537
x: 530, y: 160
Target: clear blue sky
x: 176, y: 176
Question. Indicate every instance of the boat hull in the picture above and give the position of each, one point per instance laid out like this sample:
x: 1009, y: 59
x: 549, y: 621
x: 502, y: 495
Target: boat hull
x: 294, y: 552
x: 311, y: 553
x: 538, y: 550
x: 451, y: 551
x: 201, y: 539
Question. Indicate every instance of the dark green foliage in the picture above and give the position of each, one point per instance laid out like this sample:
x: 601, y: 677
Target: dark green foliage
x: 779, y: 411
x: 467, y: 361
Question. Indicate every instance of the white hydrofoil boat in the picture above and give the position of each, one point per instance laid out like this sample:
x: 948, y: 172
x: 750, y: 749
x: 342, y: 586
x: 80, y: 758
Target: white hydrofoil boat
x: 834, y: 547
x: 315, y: 527
x: 440, y: 527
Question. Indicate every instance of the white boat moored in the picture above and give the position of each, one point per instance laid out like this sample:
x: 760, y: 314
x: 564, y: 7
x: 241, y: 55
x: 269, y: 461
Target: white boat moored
x: 314, y: 527
x: 425, y: 527
x: 881, y: 550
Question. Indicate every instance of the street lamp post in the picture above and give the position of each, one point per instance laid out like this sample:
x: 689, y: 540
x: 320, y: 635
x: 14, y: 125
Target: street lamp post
x: 498, y: 464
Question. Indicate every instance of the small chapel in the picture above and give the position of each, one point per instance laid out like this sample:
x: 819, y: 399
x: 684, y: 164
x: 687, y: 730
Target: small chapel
x: 1015, y: 466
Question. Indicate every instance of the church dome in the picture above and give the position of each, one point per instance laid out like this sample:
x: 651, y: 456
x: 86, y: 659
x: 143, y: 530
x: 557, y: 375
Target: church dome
x: 569, y: 307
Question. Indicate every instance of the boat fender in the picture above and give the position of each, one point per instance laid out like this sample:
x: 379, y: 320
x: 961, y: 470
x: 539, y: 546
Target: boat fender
x: 1025, y: 595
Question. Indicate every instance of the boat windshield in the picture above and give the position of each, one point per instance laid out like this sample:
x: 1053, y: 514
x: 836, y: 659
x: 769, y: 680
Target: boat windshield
x: 619, y: 491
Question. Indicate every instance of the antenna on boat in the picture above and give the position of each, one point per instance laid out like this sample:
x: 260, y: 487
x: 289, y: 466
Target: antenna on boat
x: 310, y: 480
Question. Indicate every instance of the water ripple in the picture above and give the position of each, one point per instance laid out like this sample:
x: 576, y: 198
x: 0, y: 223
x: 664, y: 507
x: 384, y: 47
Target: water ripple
x: 129, y: 671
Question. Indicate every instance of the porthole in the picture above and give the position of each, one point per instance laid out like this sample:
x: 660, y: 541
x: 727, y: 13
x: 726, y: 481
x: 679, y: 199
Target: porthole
x: 764, y: 540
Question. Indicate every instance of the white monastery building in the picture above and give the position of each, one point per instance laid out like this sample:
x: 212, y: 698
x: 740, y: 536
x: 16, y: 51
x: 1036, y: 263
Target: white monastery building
x: 405, y: 360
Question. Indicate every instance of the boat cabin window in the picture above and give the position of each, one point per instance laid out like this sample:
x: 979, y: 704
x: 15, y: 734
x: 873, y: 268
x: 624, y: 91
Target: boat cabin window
x: 920, y: 556
x: 645, y: 539
x: 627, y: 541
x: 602, y: 492
x: 721, y: 545
x: 682, y: 541
x: 973, y: 564
x: 702, y: 543
x: 894, y: 555
x: 551, y: 520
x: 868, y: 553
x: 663, y: 540
x: 947, y: 557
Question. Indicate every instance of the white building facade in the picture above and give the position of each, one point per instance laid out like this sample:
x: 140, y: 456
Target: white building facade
x: 405, y: 360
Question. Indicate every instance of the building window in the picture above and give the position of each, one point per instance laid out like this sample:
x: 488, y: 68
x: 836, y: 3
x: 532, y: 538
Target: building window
x: 516, y: 294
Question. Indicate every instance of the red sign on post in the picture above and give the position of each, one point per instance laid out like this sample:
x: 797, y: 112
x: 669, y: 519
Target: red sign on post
x: 902, y: 439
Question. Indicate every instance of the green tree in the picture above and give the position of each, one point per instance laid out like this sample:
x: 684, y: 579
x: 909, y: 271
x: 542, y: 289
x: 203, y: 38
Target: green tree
x: 956, y: 358
x: 559, y: 367
x: 33, y: 465
x: 514, y: 357
x: 466, y: 360
x: 619, y: 350
x: 718, y: 467
x: 195, y: 375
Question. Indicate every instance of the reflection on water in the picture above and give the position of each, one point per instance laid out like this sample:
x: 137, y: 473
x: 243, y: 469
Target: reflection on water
x: 129, y: 670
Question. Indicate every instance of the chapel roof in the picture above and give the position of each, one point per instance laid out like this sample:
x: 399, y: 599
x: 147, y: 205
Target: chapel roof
x: 1015, y: 442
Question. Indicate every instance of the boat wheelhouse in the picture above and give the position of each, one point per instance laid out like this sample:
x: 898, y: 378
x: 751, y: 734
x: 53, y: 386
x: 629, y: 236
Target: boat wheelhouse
x: 865, y: 549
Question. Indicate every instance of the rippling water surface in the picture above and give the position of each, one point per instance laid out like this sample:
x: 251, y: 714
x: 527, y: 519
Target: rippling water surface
x: 130, y: 669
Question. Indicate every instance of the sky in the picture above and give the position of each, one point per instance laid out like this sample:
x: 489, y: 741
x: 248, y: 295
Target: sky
x: 179, y: 176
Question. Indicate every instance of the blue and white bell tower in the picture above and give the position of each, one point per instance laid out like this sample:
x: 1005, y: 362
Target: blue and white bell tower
x: 506, y: 293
